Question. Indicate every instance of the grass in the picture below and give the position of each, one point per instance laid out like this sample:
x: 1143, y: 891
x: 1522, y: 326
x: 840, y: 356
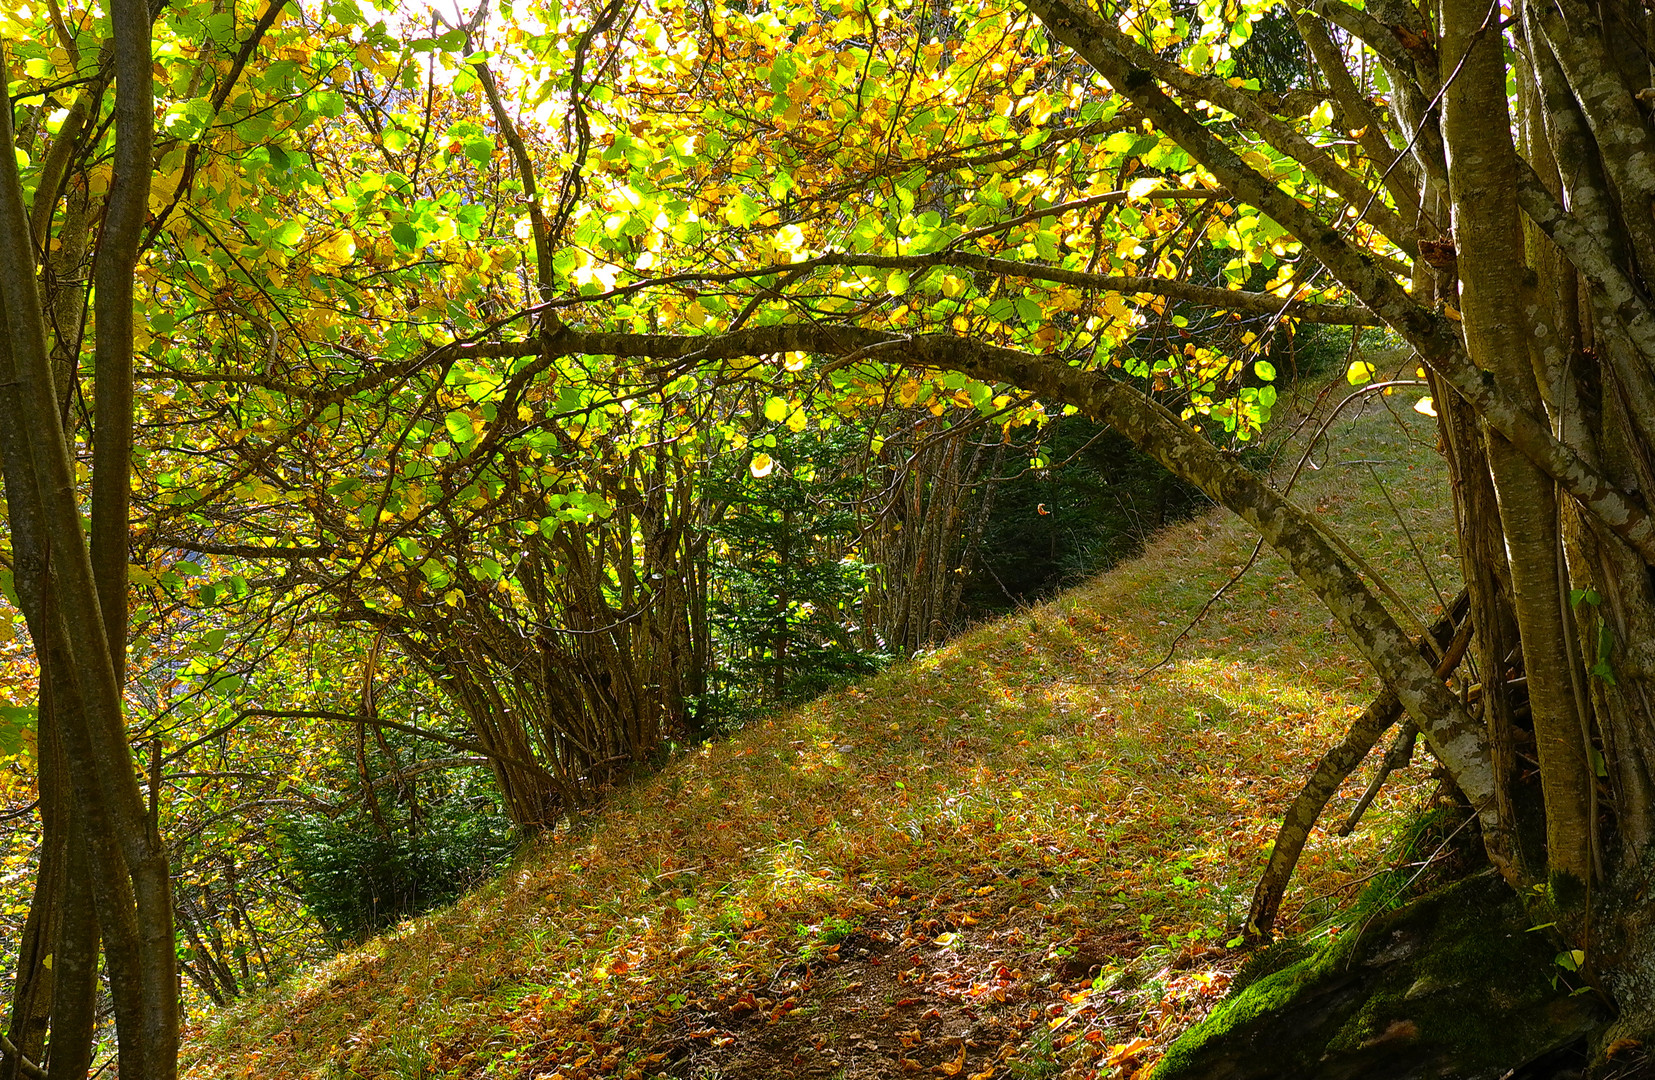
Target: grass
x: 1011, y: 857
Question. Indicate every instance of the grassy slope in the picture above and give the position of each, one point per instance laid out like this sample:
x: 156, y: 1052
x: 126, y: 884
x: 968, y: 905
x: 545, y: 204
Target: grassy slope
x: 1011, y: 857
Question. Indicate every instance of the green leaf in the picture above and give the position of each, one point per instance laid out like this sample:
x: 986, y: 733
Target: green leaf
x: 405, y: 236
x: 781, y: 73
x: 459, y: 427
x: 288, y: 233
x: 743, y: 210
x: 776, y: 410
x: 14, y: 721
x: 1265, y: 370
x: 897, y: 283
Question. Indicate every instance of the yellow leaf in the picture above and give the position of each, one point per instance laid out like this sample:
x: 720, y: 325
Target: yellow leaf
x: 284, y: 13
x: 338, y: 249
x: 1122, y: 1051
x: 162, y: 186
x: 761, y: 466
x: 1142, y: 186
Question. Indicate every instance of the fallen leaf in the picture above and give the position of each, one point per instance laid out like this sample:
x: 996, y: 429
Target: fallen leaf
x: 1123, y: 1051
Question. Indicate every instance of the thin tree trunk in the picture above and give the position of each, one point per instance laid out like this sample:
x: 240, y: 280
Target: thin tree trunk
x: 1338, y: 763
x: 130, y: 876
x: 1490, y: 248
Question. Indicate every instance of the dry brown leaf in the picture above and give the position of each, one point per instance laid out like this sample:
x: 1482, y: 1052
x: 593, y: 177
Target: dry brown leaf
x: 1124, y: 1051
x: 1621, y: 1046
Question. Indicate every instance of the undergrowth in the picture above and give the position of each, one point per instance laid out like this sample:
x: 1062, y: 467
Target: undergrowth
x: 1016, y: 856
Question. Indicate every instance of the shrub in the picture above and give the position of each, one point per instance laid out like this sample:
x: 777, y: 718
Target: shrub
x: 356, y: 880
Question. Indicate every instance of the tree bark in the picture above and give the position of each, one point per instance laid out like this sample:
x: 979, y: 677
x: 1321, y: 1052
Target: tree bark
x: 1338, y: 763
x: 1490, y: 248
x: 130, y: 870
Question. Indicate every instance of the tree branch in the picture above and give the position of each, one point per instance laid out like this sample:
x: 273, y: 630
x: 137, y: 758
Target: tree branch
x: 27, y: 1067
x: 407, y: 729
x: 1278, y: 134
x: 1432, y: 335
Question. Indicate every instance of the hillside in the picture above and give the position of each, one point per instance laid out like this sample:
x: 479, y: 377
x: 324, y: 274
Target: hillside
x: 1011, y: 857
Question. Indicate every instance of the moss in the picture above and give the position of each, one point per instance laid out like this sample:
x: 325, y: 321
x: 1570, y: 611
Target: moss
x: 1451, y: 985
x: 1437, y: 838
x: 1269, y: 960
x: 1567, y: 891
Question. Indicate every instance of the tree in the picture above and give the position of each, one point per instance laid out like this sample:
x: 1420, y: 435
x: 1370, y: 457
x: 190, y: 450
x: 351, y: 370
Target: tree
x: 521, y: 258
x: 74, y: 599
x: 1533, y: 341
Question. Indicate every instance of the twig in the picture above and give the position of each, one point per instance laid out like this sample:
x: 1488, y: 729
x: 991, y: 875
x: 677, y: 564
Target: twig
x: 27, y: 1067
x: 1189, y: 627
x: 1397, y: 757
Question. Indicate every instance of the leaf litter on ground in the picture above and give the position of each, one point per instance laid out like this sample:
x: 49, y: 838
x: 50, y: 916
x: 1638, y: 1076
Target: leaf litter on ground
x: 1010, y: 857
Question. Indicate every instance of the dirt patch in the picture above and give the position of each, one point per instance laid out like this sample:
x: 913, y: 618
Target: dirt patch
x: 895, y: 998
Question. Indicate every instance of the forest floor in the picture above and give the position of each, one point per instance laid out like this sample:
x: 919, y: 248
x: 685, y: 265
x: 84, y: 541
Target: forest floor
x: 1016, y: 856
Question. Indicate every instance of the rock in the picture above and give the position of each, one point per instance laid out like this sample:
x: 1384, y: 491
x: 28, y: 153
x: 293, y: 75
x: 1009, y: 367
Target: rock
x: 1451, y: 987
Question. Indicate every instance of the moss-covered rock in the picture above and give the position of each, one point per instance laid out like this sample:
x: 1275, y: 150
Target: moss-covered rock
x: 1451, y: 986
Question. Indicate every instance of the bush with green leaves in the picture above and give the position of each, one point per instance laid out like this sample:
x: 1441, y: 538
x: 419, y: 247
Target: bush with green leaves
x: 357, y: 878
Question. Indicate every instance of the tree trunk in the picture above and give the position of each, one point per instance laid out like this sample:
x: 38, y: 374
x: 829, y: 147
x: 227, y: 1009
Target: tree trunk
x: 128, y: 862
